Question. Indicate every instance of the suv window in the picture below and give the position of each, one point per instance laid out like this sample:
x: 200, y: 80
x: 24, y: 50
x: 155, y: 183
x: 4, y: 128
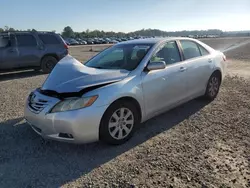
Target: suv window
x: 168, y: 53
x: 4, y: 41
x: 48, y: 39
x: 7, y: 41
x: 203, y: 50
x: 190, y: 49
x: 26, y: 40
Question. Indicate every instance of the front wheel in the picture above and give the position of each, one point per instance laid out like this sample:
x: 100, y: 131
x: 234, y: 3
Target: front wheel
x: 213, y: 86
x: 118, y: 123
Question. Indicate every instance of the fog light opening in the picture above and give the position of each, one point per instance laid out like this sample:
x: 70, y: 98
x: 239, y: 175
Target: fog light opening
x: 65, y: 135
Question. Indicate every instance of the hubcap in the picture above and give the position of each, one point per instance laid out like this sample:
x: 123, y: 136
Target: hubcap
x: 213, y: 86
x: 121, y: 123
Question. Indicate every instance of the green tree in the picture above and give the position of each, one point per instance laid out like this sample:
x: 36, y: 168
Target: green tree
x: 11, y: 29
x: 68, y: 32
x: 1, y: 30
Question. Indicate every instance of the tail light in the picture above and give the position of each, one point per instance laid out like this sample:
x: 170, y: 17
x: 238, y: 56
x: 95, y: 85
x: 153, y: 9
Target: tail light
x: 66, y: 46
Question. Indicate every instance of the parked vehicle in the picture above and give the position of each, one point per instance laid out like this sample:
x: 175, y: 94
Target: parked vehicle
x: 113, y: 41
x: 97, y: 41
x: 71, y: 41
x: 90, y: 41
x: 107, y: 97
x: 81, y: 41
x: 38, y: 50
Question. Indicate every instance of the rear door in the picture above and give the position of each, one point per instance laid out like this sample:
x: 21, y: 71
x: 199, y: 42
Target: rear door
x: 199, y: 66
x: 29, y: 50
x: 9, y: 54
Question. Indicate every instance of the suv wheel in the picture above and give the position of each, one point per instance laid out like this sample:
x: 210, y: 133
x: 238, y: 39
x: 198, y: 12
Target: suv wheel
x: 48, y: 63
x: 118, y: 123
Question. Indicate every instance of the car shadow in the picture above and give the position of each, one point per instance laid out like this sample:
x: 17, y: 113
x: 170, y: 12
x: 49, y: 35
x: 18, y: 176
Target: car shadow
x: 27, y: 160
x: 18, y: 74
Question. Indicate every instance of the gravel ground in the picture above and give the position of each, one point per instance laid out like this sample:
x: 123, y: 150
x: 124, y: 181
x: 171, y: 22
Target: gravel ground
x: 195, y: 145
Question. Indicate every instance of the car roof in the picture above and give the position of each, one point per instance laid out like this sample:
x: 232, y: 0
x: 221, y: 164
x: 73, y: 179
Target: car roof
x: 154, y: 40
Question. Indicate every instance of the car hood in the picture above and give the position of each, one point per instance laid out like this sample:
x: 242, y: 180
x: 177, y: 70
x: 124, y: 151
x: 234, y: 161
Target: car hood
x: 70, y: 75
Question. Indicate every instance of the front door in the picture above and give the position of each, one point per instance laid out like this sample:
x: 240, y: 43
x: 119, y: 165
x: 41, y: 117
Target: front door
x: 166, y: 87
x: 9, y: 54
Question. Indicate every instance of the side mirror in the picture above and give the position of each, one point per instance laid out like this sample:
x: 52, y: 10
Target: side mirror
x: 156, y: 65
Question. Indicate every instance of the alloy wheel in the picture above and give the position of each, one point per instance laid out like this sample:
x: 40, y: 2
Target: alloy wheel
x: 213, y: 86
x: 121, y: 123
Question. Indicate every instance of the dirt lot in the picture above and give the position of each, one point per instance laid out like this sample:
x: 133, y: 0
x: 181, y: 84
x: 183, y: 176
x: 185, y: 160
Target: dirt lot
x: 195, y: 145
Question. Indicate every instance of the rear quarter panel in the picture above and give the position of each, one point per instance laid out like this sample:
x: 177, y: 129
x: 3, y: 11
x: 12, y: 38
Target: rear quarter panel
x: 219, y: 63
x: 55, y: 49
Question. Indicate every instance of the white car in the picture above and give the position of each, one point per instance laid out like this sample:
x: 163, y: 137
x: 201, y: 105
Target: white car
x: 124, y: 85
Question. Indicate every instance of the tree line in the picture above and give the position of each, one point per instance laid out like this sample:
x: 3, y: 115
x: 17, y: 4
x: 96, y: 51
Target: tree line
x: 69, y: 32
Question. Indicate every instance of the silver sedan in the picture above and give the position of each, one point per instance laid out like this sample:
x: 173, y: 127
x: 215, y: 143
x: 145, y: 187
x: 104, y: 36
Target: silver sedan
x: 111, y: 94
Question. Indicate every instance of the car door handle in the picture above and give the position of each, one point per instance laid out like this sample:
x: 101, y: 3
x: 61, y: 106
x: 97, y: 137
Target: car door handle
x: 210, y: 60
x: 182, y: 69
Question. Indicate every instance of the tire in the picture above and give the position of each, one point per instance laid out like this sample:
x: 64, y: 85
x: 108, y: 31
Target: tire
x: 48, y: 63
x: 213, y: 86
x: 113, y: 129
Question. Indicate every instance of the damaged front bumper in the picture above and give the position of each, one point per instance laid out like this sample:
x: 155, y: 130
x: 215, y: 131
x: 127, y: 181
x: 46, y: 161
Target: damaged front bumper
x: 76, y: 126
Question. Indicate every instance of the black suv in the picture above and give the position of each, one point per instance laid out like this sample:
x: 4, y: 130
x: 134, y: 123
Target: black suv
x: 37, y: 50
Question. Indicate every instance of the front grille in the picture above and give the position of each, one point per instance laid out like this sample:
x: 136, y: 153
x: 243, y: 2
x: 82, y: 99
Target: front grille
x: 36, y: 104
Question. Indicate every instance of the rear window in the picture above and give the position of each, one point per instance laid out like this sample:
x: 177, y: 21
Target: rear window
x: 190, y: 49
x: 49, y: 39
x: 203, y: 50
x: 26, y: 40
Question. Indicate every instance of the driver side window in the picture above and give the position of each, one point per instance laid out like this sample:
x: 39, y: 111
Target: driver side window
x: 168, y: 53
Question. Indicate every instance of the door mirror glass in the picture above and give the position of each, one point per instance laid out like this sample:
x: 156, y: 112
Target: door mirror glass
x: 156, y: 65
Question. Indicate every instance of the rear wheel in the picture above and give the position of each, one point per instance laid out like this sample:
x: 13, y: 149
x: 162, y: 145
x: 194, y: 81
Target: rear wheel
x: 48, y: 63
x: 213, y: 86
x: 118, y: 123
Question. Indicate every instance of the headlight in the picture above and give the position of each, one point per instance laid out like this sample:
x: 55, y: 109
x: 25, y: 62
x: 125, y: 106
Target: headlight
x: 74, y: 104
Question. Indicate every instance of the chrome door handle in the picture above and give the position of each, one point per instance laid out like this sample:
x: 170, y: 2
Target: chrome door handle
x: 210, y: 60
x: 182, y: 69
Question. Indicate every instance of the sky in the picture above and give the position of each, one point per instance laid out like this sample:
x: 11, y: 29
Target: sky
x: 126, y: 15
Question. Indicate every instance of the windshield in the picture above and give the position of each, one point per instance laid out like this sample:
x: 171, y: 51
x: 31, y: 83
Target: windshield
x: 123, y: 56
